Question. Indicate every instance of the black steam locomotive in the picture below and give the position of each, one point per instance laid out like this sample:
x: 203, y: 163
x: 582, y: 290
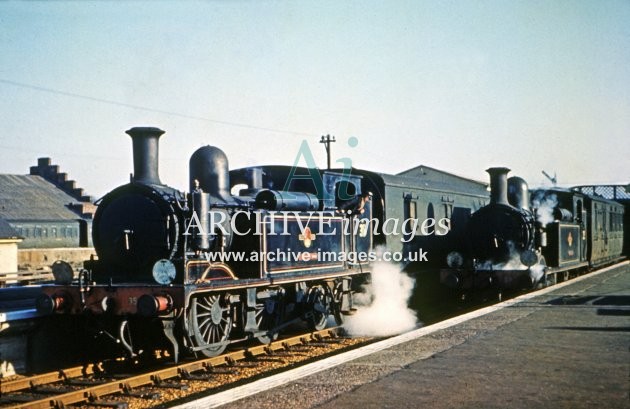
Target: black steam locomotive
x: 208, y: 268
x: 515, y: 243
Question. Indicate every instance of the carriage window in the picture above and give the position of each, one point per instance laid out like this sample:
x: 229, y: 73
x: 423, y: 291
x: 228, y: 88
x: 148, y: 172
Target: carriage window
x: 611, y: 225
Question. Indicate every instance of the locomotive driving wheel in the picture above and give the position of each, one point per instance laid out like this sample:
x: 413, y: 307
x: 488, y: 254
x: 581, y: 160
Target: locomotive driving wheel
x: 267, y: 319
x: 210, y: 323
x: 337, y: 301
x: 320, y: 299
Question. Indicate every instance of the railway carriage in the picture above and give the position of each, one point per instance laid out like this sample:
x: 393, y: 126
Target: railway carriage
x: 579, y: 231
x: 618, y: 194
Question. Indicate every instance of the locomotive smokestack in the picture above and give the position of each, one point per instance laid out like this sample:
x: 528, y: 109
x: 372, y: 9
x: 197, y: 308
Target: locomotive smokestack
x: 498, y: 185
x: 145, y: 154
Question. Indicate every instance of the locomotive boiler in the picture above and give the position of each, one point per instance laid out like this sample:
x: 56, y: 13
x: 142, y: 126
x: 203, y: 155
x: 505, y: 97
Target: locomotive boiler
x: 208, y: 268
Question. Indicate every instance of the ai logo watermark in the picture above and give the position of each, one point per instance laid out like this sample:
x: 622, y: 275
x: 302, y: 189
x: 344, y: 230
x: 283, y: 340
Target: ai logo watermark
x: 305, y: 155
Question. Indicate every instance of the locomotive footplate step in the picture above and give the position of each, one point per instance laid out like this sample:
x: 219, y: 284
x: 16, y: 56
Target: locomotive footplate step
x: 548, y: 349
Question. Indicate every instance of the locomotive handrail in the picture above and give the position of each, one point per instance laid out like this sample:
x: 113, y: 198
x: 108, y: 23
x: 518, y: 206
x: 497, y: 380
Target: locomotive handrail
x: 220, y: 266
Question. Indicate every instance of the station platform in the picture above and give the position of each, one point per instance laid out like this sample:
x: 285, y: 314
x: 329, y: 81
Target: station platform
x: 566, y: 346
x: 17, y: 320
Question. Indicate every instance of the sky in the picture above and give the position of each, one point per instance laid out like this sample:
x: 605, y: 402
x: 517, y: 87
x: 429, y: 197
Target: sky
x: 455, y: 85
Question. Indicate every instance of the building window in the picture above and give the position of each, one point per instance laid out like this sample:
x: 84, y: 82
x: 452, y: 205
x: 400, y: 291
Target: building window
x: 448, y: 210
x: 430, y: 215
x: 413, y: 213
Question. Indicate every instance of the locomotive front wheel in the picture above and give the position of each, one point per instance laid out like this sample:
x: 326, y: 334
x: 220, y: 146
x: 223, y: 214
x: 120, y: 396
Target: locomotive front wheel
x: 209, y: 323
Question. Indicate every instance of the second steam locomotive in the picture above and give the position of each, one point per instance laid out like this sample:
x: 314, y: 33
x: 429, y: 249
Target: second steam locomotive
x: 516, y: 243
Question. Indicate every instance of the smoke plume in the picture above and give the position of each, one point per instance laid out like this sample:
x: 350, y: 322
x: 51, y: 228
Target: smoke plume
x: 382, y: 308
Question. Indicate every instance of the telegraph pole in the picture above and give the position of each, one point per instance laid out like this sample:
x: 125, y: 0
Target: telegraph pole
x: 326, y: 140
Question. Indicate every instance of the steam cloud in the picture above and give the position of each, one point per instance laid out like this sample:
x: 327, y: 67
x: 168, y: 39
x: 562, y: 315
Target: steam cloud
x: 382, y: 309
x: 514, y: 263
x: 544, y: 205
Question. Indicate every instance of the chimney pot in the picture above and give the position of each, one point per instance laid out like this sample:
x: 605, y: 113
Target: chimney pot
x: 145, y: 154
x: 498, y: 185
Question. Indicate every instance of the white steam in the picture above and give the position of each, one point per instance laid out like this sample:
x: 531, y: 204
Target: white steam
x: 382, y: 308
x: 536, y: 272
x: 544, y: 205
x: 514, y: 263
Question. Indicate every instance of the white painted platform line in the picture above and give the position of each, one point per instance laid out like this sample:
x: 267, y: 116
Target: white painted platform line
x: 261, y: 385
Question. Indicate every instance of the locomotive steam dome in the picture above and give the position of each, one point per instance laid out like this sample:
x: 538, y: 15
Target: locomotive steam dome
x: 208, y: 166
x: 138, y: 223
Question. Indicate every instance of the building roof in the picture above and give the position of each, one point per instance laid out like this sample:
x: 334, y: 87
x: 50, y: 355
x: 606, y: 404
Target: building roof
x: 430, y: 174
x: 32, y: 198
x: 6, y: 231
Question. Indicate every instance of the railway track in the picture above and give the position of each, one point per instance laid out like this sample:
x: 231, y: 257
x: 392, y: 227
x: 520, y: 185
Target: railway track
x: 91, y: 385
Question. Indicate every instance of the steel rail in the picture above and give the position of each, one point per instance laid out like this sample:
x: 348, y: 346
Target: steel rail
x: 24, y: 384
x: 95, y: 392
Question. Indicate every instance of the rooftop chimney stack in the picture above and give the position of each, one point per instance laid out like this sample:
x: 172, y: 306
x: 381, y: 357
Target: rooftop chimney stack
x: 145, y: 154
